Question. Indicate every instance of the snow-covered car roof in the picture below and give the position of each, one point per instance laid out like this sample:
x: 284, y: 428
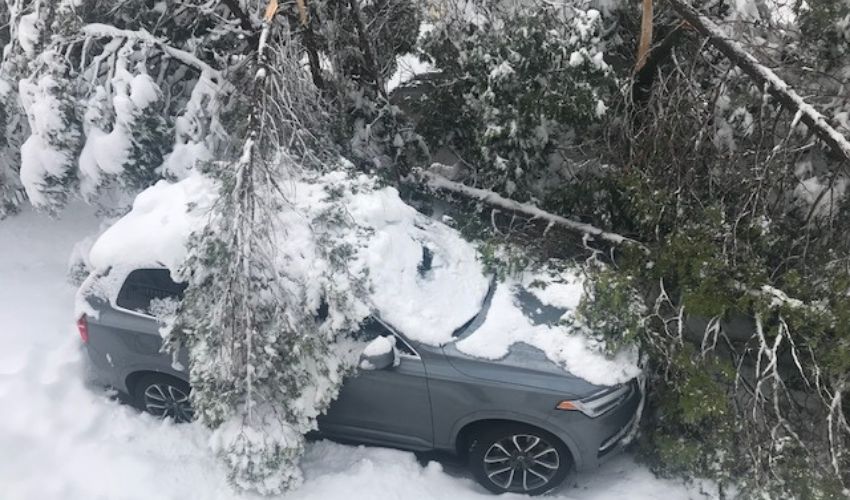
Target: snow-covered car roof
x: 428, y: 304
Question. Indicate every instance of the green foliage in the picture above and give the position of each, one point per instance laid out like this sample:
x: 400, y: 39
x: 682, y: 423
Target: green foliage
x: 519, y: 84
x: 149, y: 143
x: 611, y: 308
x: 728, y: 238
x: 370, y: 129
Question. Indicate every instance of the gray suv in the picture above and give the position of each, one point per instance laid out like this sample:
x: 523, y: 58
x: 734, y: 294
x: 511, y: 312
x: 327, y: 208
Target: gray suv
x: 521, y: 422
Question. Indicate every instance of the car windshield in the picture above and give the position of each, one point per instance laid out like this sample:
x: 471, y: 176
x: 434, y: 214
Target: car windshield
x: 530, y: 305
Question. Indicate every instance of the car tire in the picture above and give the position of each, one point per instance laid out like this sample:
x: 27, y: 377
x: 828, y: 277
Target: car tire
x: 518, y: 458
x: 163, y: 396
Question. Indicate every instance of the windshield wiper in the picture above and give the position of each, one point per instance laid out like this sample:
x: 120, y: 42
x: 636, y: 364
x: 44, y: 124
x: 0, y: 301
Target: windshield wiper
x: 475, y: 321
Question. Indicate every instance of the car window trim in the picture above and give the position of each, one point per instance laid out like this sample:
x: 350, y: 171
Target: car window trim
x: 383, y: 323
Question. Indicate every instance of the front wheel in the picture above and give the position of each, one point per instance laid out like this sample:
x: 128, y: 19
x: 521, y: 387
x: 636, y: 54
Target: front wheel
x: 164, y: 396
x: 519, y: 459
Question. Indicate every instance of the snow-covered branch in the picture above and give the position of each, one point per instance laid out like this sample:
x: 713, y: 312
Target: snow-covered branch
x: 142, y: 35
x: 765, y: 77
x: 438, y: 182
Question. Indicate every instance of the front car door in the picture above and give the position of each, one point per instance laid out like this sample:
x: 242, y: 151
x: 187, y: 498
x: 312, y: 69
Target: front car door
x: 388, y: 407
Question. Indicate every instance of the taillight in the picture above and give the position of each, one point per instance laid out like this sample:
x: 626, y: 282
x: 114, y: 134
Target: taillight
x: 83, y: 328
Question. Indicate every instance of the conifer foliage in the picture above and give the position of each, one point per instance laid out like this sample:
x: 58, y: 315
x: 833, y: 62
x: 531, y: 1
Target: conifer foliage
x: 270, y: 299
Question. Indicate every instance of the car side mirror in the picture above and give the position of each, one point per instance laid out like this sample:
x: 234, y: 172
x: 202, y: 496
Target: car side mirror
x: 379, y: 354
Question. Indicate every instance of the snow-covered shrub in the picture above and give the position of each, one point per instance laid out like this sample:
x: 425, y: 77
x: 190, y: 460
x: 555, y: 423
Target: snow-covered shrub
x: 361, y: 46
x: 115, y: 94
x: 48, y: 156
x: 519, y: 83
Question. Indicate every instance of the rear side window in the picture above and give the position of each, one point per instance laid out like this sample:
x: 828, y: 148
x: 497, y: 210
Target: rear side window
x: 144, y: 285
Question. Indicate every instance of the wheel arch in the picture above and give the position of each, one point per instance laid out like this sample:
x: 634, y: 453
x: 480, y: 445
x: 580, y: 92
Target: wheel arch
x: 466, y: 428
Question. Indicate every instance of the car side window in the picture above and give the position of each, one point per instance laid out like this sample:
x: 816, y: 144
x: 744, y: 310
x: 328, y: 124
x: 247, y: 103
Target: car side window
x: 144, y: 285
x: 372, y: 328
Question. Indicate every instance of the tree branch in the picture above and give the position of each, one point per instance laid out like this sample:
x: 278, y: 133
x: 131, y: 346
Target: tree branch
x: 189, y: 59
x: 765, y: 77
x: 366, y: 49
x: 244, y: 20
x: 645, y: 73
x: 440, y: 183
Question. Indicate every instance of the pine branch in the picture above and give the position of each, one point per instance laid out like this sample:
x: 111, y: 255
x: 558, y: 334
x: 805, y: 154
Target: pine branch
x: 765, y: 77
x: 189, y: 59
x: 440, y: 183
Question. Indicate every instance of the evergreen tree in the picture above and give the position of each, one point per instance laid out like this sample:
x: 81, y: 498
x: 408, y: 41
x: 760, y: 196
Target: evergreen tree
x: 270, y: 295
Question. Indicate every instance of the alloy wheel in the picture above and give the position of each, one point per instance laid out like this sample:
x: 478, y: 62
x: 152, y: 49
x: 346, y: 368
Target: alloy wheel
x: 521, y: 462
x: 164, y: 400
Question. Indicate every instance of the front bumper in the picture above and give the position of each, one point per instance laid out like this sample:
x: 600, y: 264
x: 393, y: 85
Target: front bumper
x: 593, y: 441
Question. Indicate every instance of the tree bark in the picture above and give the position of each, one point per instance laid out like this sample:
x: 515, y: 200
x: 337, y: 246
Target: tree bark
x: 645, y: 74
x: 766, y: 78
x: 311, y: 46
x: 645, y: 35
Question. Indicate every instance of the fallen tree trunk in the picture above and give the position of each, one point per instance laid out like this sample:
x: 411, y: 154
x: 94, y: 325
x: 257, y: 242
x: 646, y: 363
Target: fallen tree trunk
x: 765, y: 77
x: 438, y: 182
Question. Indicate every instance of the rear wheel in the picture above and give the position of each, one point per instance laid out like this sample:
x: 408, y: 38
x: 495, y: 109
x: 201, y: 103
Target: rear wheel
x: 518, y: 458
x: 164, y: 396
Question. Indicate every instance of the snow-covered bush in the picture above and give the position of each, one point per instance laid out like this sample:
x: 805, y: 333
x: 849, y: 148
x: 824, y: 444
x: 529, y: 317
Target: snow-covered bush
x: 114, y: 94
x: 49, y: 155
x: 743, y: 221
x: 361, y: 42
x: 523, y: 82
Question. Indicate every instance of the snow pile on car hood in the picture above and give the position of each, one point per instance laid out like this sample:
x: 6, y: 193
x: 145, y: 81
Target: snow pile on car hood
x: 529, y: 310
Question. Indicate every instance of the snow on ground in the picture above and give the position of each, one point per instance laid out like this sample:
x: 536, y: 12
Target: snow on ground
x: 63, y: 440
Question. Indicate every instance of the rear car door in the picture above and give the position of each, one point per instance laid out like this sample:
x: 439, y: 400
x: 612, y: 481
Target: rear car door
x: 125, y: 337
x: 388, y: 407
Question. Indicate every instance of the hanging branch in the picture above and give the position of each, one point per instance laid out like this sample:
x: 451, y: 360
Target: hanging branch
x: 766, y: 78
x: 440, y: 183
x: 310, y: 44
x: 366, y: 49
x: 189, y: 59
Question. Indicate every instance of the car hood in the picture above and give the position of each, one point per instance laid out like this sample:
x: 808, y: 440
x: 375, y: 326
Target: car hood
x: 521, y: 326
x: 524, y: 365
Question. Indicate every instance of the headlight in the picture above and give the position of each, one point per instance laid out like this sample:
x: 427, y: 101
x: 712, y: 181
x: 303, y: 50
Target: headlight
x: 600, y: 403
